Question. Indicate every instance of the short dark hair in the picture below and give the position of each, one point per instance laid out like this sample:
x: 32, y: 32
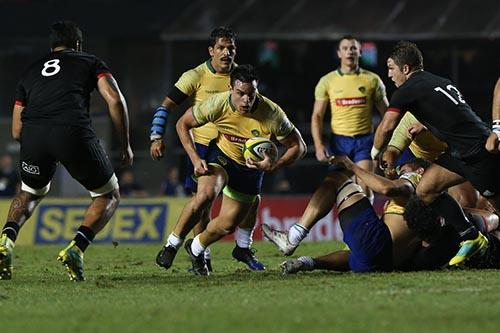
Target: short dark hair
x: 65, y: 33
x: 244, y: 73
x: 417, y: 163
x: 348, y: 37
x: 221, y: 32
x: 421, y: 218
x: 407, y: 53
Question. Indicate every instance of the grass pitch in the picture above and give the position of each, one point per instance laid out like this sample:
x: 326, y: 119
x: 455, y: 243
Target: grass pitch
x: 125, y: 292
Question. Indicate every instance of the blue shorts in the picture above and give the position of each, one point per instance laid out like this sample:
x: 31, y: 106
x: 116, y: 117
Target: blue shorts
x: 357, y: 148
x: 240, y: 178
x: 406, y: 156
x: 190, y: 184
x: 368, y: 238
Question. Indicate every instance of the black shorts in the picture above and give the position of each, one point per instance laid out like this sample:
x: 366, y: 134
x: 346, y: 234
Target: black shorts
x: 481, y: 170
x: 77, y: 148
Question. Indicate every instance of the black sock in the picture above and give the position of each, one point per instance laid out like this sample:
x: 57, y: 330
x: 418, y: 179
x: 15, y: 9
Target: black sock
x: 84, y: 236
x: 11, y: 229
x: 454, y: 216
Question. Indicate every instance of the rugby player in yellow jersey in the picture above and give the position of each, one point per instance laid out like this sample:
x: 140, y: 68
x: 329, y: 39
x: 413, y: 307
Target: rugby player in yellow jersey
x: 352, y: 93
x: 412, y: 140
x: 375, y: 244
x: 199, y: 83
x: 238, y: 115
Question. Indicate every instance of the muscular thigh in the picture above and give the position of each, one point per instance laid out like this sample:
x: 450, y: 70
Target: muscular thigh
x: 232, y: 212
x: 437, y: 179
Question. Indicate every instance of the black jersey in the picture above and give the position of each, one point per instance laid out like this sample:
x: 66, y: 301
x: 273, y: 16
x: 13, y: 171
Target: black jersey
x: 438, y: 104
x: 56, y: 89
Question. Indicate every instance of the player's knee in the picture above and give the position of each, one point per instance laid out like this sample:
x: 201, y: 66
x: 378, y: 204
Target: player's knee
x: 426, y: 194
x: 204, y: 199
x: 226, y: 227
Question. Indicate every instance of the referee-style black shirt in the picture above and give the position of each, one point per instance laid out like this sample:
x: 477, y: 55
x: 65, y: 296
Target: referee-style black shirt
x: 438, y: 104
x: 56, y: 89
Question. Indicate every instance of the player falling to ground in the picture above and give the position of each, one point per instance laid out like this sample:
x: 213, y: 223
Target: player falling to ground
x: 375, y: 244
x: 440, y: 107
x: 238, y: 115
x: 199, y: 83
x: 51, y: 121
x: 352, y: 93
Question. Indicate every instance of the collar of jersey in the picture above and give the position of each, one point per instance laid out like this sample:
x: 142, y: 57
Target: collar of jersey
x: 212, y: 69
x: 339, y: 71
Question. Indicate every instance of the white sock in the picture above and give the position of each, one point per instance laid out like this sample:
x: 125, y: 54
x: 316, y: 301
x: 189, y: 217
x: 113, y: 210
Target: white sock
x: 208, y: 254
x: 244, y: 237
x: 196, y: 247
x: 297, y: 233
x: 308, y: 262
x: 174, y: 241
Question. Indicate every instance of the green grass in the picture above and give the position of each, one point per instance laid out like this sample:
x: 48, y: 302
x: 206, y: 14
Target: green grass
x: 125, y: 292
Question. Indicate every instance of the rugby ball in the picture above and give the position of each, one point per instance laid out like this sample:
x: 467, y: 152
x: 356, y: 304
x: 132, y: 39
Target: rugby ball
x: 255, y: 148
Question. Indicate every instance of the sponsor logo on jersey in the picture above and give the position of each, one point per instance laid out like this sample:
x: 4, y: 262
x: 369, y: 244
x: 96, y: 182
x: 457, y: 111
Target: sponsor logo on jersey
x: 349, y: 101
x: 31, y: 169
x: 212, y: 91
x: 362, y: 89
x: 235, y: 138
x: 255, y: 132
x: 222, y: 160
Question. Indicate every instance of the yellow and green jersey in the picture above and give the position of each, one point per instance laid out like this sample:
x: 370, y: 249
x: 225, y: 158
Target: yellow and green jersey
x: 352, y: 98
x: 397, y: 205
x: 425, y: 145
x: 200, y: 83
x: 234, y: 128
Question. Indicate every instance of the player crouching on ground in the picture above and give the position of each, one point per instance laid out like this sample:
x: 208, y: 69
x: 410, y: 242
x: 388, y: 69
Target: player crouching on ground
x: 239, y: 114
x: 375, y: 244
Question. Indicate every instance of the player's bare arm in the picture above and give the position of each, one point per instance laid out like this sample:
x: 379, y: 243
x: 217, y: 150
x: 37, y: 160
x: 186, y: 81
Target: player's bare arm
x: 317, y: 117
x: 184, y: 124
x: 382, y: 104
x: 492, y: 144
x: 384, y: 131
x: 17, y: 124
x: 109, y: 90
x: 379, y: 184
x: 157, y: 149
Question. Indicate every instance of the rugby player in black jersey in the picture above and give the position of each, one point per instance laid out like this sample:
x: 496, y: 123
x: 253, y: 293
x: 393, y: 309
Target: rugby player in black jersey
x: 440, y: 107
x: 51, y: 121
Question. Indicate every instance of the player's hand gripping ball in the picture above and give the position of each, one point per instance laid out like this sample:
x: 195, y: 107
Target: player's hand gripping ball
x: 256, y: 148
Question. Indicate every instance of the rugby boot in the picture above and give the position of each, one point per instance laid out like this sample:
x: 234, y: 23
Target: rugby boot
x: 72, y: 258
x: 6, y: 254
x: 166, y: 256
x: 280, y: 239
x: 247, y: 256
x: 198, y: 262
x: 468, y: 248
x: 293, y: 266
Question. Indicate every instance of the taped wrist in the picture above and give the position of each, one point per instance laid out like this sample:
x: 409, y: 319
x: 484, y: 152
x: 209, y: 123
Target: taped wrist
x: 159, y: 123
x: 495, y: 127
